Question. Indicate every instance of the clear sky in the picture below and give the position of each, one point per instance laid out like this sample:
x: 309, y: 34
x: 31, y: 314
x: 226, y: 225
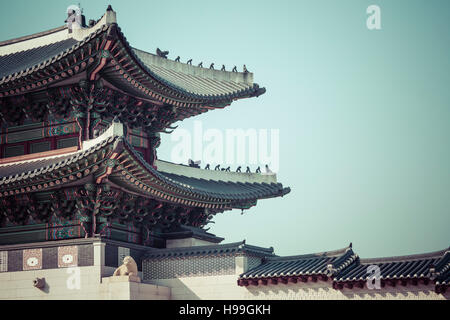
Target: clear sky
x: 364, y: 115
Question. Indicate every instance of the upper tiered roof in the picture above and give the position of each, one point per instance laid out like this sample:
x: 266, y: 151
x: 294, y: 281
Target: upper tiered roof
x: 75, y: 83
x: 57, y: 57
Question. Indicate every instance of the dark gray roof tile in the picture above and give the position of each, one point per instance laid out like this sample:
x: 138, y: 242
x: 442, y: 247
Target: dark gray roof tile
x: 311, y: 264
x: 14, y: 63
x: 407, y: 267
x: 230, y: 248
x: 215, y: 188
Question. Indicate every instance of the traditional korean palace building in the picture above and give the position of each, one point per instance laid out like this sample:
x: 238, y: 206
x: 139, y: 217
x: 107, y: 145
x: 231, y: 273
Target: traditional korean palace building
x: 81, y: 185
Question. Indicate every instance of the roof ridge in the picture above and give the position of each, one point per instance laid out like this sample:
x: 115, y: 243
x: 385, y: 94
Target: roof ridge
x: 230, y: 244
x: 170, y: 168
x: 250, y: 246
x: 324, y: 254
x: 238, y: 245
x: 76, y: 44
x: 7, y: 164
x: 194, y: 248
x: 427, y: 255
x: 32, y: 36
x: 188, y: 64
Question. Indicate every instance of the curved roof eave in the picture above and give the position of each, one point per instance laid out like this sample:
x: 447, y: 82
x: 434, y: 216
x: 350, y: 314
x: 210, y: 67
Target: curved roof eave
x: 189, y: 83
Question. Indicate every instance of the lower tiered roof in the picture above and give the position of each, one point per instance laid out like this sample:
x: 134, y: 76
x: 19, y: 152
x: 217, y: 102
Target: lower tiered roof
x: 112, y: 160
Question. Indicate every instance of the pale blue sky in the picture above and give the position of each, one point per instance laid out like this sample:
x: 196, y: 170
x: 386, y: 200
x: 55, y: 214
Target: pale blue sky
x: 363, y: 115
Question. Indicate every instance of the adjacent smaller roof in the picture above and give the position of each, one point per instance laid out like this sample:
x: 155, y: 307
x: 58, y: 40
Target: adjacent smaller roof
x: 212, y: 250
x: 192, y: 232
x: 393, y: 268
x: 316, y: 264
x: 441, y: 271
x: 345, y: 268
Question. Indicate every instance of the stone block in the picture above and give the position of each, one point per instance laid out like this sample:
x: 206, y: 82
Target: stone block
x: 116, y: 279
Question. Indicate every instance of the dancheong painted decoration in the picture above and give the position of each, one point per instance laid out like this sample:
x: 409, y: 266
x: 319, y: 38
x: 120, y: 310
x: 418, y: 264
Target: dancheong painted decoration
x: 81, y: 116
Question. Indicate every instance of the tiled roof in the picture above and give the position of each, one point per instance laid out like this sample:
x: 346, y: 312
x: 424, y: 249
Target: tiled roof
x: 227, y: 190
x: 21, y: 61
x: 209, y: 174
x: 233, y: 191
x: 212, y: 250
x: 192, y: 232
x: 304, y: 265
x: 198, y: 81
x: 393, y: 268
x: 441, y: 272
x: 345, y: 268
x: 23, y: 169
x: 32, y: 36
x: 15, y: 172
x: 187, y: 82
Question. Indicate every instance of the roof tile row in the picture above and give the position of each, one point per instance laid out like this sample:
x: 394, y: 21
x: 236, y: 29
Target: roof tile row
x: 210, y: 250
x: 344, y: 266
x: 237, y: 191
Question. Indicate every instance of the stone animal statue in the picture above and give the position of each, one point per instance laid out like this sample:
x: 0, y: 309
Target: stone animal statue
x: 162, y: 54
x: 128, y: 268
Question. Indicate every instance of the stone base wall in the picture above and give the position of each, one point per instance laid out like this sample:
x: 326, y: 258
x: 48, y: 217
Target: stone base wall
x: 60, y: 284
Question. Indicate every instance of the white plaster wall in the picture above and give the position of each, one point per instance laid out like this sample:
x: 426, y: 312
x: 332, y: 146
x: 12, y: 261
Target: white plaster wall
x: 222, y: 287
x: 226, y: 288
x: 323, y: 290
x: 18, y: 285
